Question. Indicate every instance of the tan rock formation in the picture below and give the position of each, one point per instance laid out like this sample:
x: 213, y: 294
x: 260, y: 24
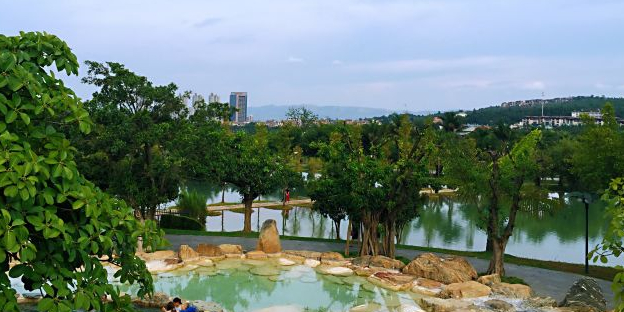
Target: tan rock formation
x: 512, y: 290
x: 231, y: 249
x: 469, y: 289
x: 209, y: 250
x: 447, y: 270
x: 186, y: 253
x: 268, y: 240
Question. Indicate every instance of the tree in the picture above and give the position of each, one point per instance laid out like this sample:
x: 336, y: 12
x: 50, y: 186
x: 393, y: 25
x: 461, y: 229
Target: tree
x: 496, y: 172
x: 301, y: 116
x: 598, y: 157
x: 54, y: 222
x: 132, y: 152
x: 256, y: 171
x: 612, y: 244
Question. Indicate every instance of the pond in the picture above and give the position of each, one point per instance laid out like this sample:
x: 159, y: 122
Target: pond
x: 557, y: 234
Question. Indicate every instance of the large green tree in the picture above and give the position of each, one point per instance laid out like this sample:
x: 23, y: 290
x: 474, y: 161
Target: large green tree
x: 56, y: 226
x: 133, y: 152
x: 495, y: 170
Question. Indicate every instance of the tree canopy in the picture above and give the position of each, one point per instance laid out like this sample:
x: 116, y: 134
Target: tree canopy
x: 53, y: 222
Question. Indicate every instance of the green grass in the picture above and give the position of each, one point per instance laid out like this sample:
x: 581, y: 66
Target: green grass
x: 605, y: 273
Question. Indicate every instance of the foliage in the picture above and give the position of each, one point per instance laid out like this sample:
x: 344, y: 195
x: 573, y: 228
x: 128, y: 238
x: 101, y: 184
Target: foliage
x: 53, y: 221
x: 301, y: 116
x: 169, y: 221
x: 490, y: 169
x: 193, y: 204
x: 598, y: 157
x: 509, y: 115
x: 612, y: 244
x: 132, y: 152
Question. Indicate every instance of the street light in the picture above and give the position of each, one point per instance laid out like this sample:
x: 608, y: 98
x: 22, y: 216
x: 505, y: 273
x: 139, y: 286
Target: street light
x: 586, y: 199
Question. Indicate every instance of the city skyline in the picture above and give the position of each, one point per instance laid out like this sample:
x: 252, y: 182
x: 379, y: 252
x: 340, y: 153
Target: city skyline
x: 401, y: 55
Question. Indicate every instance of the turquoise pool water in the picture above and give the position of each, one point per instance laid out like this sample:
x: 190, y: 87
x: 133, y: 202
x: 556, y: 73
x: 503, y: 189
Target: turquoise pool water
x: 248, y: 285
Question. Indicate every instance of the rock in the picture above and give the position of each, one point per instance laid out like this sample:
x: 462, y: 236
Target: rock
x: 363, y: 261
x: 337, y: 271
x: 512, y: 290
x: 284, y: 308
x: 433, y: 304
x: 311, y: 263
x: 256, y: 255
x: 447, y: 270
x: 409, y: 308
x: 427, y: 287
x: 209, y: 250
x: 304, y: 253
x: 187, y: 253
x: 268, y: 240
x: 285, y: 262
x: 469, y: 289
x: 500, y: 305
x: 156, y: 266
x: 392, y: 281
x: 264, y: 271
x: 157, y: 255
x: 369, y: 307
x: 230, y: 249
x: 203, y: 306
x: 385, y: 262
x: 540, y: 302
x: 585, y: 293
x: 297, y: 259
x: 489, y: 279
x: 332, y: 256
x: 158, y: 300
x: 366, y: 272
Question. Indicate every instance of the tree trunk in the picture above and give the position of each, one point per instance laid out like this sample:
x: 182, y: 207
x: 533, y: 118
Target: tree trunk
x: 348, y: 238
x: 248, y: 201
x: 390, y: 247
x: 498, y: 257
x: 337, y: 225
x: 488, y: 245
x: 223, y: 193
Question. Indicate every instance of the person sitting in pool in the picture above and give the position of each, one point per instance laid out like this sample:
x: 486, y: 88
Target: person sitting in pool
x: 177, y: 302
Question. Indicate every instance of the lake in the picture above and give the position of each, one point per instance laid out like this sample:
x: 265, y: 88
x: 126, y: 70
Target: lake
x: 556, y: 234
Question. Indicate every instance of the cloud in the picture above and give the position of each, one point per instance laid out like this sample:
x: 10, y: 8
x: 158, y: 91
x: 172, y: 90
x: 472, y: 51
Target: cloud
x: 337, y: 62
x: 292, y: 59
x: 425, y: 64
x: 533, y: 85
x: 208, y: 22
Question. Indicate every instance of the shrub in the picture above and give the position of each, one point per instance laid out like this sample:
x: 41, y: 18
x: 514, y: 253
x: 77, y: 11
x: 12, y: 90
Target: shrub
x: 169, y: 221
x: 193, y: 204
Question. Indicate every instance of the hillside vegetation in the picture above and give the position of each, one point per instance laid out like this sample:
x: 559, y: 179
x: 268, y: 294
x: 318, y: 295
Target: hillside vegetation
x: 513, y: 114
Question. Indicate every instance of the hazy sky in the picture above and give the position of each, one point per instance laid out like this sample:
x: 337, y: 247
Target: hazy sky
x: 419, y: 55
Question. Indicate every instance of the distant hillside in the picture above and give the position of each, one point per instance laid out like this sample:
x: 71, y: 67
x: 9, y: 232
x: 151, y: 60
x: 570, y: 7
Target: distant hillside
x: 513, y: 112
x: 278, y: 112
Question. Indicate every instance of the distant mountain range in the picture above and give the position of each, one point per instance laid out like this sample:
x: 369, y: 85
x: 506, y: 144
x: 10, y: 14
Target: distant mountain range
x: 278, y: 112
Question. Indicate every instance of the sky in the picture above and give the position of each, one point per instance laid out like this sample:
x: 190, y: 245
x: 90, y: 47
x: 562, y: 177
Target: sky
x: 400, y: 55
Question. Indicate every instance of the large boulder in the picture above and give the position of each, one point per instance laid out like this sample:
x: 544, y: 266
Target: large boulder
x: 256, y: 255
x: 209, y: 250
x: 332, y: 256
x: 512, y: 290
x: 447, y: 270
x: 469, y: 289
x: 378, y: 261
x: 585, y: 294
x: 186, y: 253
x: 304, y: 253
x: 157, y: 300
x: 489, y: 279
x: 268, y: 240
x: 433, y: 304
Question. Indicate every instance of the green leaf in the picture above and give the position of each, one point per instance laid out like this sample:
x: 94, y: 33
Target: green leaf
x: 10, y: 242
x: 81, y: 301
x: 25, y: 118
x: 11, y: 191
x: 10, y: 116
x: 45, y: 304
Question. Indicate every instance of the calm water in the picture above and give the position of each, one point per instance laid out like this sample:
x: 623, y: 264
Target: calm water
x: 556, y: 234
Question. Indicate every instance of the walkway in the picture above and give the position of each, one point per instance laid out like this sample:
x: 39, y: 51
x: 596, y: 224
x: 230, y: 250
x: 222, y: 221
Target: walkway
x: 544, y: 282
x: 293, y: 202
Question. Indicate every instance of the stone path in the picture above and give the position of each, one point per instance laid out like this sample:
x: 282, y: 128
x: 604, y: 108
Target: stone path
x: 293, y: 202
x: 544, y: 282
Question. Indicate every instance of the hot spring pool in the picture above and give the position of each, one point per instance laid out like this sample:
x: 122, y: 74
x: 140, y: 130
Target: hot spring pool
x: 249, y: 285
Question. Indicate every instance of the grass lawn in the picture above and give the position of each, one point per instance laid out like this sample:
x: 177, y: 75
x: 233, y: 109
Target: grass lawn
x: 605, y: 273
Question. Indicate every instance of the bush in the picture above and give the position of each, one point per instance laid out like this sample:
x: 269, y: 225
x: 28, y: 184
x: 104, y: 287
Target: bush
x: 193, y: 204
x: 180, y: 223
